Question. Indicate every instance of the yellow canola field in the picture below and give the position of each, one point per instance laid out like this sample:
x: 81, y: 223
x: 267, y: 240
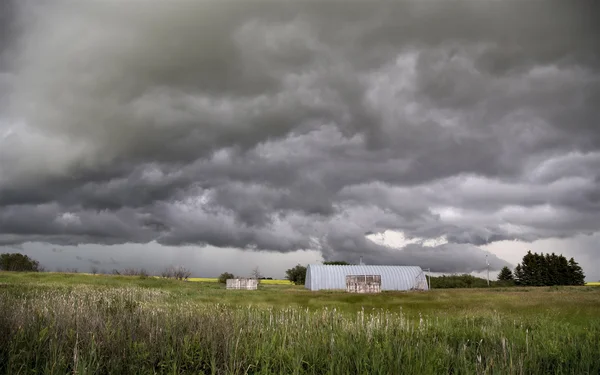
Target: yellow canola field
x: 593, y: 283
x: 214, y: 280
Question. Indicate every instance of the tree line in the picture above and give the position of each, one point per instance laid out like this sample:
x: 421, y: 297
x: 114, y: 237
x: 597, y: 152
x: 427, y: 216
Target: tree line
x: 19, y: 262
x: 544, y: 270
x: 534, y: 270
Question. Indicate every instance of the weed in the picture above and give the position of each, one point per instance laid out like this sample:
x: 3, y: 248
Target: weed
x: 129, y: 325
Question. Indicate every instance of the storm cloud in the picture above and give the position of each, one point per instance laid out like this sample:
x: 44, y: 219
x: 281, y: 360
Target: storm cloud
x: 284, y: 126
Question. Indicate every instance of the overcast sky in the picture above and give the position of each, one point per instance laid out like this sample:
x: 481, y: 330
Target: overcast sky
x: 223, y: 135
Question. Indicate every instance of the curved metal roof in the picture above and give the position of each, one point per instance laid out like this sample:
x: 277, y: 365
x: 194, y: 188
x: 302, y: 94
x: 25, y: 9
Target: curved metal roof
x: 322, y: 276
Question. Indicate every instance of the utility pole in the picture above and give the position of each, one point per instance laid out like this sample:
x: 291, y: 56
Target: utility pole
x: 488, y: 269
x: 428, y: 276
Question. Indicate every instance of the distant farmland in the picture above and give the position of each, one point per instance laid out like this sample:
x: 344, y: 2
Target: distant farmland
x: 83, y: 324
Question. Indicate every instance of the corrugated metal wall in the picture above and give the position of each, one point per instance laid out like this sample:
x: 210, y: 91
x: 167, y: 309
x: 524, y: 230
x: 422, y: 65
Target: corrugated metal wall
x: 321, y: 276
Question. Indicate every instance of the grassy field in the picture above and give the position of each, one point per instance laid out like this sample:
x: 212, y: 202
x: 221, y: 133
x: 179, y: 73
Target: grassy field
x: 70, y: 323
x: 215, y: 280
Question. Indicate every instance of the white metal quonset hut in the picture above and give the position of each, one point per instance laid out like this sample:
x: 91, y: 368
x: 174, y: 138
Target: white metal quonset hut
x: 322, y: 276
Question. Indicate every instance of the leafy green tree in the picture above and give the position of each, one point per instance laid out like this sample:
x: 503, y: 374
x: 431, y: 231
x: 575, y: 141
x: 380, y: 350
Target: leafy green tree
x: 224, y: 276
x: 18, y: 262
x: 337, y: 263
x: 297, y: 275
x: 505, y: 274
x: 459, y: 281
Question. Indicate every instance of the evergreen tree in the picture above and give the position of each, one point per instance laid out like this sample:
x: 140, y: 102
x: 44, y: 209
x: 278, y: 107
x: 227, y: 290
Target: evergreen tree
x: 576, y: 275
x: 542, y: 268
x: 548, y: 276
x: 549, y: 269
x: 528, y: 269
x: 518, y: 276
x: 537, y: 274
x: 563, y: 271
x: 505, y: 274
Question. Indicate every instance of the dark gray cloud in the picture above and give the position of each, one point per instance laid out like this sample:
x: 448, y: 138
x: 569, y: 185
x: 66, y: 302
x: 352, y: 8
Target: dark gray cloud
x: 293, y: 126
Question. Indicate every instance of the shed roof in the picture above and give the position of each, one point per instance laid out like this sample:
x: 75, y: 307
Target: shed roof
x: 325, y: 276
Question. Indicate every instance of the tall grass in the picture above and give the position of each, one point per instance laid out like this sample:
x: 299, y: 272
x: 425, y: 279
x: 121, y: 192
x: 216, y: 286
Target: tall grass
x: 96, y: 330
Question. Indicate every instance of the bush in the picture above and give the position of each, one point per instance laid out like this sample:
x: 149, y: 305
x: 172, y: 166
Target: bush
x: 224, y: 276
x: 459, y: 281
x: 142, y: 273
x: 129, y: 272
x: 297, y: 275
x: 179, y: 273
x: 18, y: 262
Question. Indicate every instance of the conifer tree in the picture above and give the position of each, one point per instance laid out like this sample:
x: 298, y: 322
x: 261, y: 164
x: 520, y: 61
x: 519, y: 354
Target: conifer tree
x: 505, y: 274
x: 549, y: 276
x: 576, y: 275
x: 529, y: 269
x: 549, y: 269
x: 518, y: 276
x: 563, y: 271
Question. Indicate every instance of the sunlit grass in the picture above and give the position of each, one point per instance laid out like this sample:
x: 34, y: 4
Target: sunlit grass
x: 276, y: 282
x: 204, y: 279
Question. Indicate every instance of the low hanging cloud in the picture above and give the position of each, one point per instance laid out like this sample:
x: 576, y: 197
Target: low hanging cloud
x: 293, y: 126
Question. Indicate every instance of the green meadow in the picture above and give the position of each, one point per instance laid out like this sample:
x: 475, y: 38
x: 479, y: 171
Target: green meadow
x: 84, y: 324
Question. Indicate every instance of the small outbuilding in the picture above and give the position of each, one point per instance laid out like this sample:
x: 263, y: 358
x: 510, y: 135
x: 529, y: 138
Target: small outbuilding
x: 363, y: 283
x: 333, y: 277
x: 245, y: 284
